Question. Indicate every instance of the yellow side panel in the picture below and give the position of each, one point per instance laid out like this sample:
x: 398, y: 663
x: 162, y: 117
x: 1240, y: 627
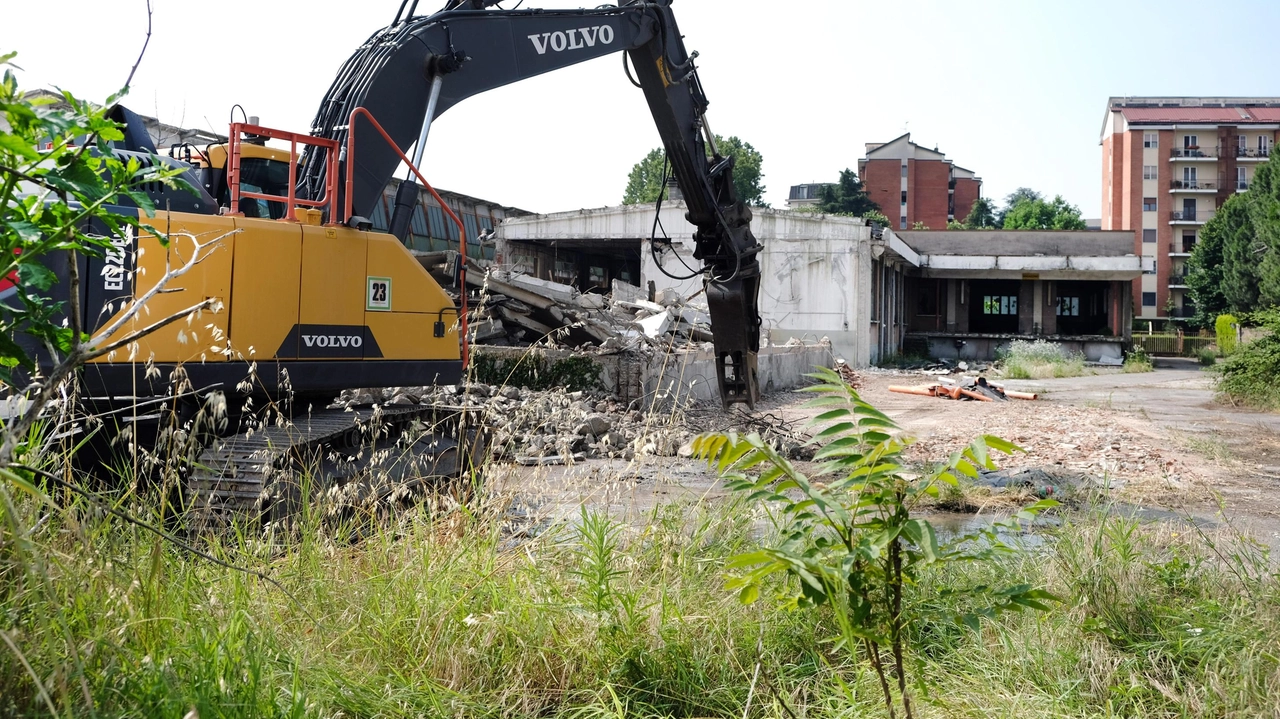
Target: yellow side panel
x: 412, y: 289
x: 401, y: 334
x: 264, y: 292
x: 209, y: 278
x: 404, y: 336
x: 333, y: 276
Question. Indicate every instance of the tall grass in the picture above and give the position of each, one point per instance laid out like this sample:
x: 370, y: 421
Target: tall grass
x: 1040, y: 359
x: 448, y: 614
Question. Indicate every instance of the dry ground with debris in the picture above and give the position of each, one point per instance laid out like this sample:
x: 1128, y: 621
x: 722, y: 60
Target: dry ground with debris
x: 1157, y: 440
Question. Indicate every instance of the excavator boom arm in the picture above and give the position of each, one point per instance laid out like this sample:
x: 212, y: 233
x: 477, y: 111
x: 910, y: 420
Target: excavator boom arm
x: 463, y: 52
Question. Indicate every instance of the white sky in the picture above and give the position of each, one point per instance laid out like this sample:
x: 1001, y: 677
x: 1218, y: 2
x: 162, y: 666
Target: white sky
x: 1014, y: 90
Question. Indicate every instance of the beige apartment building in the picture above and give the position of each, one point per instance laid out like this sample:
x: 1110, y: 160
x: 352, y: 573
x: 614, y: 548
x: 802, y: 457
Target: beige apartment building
x: 1168, y: 164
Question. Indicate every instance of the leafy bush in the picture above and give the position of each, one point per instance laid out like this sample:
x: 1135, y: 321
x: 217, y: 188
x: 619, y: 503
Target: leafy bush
x: 1250, y: 375
x: 1138, y: 361
x: 1207, y: 356
x: 1040, y: 359
x: 1225, y: 328
x: 852, y: 542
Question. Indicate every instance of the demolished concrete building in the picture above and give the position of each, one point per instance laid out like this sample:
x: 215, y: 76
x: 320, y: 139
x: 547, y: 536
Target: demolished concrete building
x: 872, y: 293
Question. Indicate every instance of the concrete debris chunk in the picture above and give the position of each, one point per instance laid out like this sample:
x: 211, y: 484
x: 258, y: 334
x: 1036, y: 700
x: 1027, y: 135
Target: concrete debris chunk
x: 518, y: 310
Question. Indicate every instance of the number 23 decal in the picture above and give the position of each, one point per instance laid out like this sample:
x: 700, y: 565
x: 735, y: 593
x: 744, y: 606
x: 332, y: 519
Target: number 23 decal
x: 378, y: 297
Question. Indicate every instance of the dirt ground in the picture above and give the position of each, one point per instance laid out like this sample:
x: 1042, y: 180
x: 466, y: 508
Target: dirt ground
x: 1155, y: 440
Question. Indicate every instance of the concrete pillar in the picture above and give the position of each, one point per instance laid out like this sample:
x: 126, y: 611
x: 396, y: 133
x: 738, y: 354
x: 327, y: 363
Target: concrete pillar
x: 952, y: 289
x: 964, y: 299
x: 1026, y: 306
x: 1037, y: 305
x: 861, y: 300
x: 1049, y: 325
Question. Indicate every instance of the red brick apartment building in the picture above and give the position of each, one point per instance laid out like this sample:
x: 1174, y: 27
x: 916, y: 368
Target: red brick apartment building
x: 1168, y: 163
x: 914, y: 184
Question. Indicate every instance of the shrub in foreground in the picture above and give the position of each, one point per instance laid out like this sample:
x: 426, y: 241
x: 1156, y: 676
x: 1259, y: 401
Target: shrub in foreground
x: 1251, y: 376
x: 1040, y: 359
x: 851, y: 539
x: 1138, y: 361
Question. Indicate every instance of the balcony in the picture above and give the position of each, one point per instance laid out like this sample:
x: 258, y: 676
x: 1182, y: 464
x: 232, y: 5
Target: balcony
x: 1252, y: 153
x: 1181, y: 249
x: 1241, y: 185
x: 1190, y: 217
x: 1194, y: 186
x: 1193, y: 153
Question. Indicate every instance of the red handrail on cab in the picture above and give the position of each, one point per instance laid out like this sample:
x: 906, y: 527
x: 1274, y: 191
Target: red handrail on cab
x: 462, y: 232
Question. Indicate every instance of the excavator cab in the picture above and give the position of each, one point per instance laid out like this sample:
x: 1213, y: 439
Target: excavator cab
x: 263, y: 170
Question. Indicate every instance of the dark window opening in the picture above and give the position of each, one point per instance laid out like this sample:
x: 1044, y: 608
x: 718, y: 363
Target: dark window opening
x: 1148, y: 299
x: 1082, y: 308
x: 904, y: 197
x: 993, y: 307
x: 1148, y: 235
x: 927, y: 298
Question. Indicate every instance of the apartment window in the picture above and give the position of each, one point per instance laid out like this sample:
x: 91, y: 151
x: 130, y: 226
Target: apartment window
x: 1150, y: 139
x: 1242, y: 182
x: 1189, y: 177
x: 904, y: 170
x: 1190, y: 141
x: 1188, y: 240
x: 1149, y: 172
x: 1148, y: 299
x: 1264, y: 145
x: 1148, y: 204
x: 1148, y: 235
x: 902, y: 222
x: 1000, y: 304
x: 904, y: 197
x: 1242, y: 142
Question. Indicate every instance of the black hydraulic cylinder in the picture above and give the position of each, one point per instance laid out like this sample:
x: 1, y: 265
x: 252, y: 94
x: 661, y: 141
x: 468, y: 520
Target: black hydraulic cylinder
x: 402, y: 215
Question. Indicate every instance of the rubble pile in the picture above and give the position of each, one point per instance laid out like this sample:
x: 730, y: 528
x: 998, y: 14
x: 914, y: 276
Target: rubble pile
x: 1087, y: 441
x: 518, y: 310
x: 546, y: 427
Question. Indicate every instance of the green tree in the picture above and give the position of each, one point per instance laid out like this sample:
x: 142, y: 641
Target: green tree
x: 1036, y: 214
x: 1232, y: 227
x: 647, y: 181
x: 1262, y: 252
x: 748, y: 169
x: 847, y: 197
x: 1204, y: 270
x: 982, y: 215
x: 1018, y: 196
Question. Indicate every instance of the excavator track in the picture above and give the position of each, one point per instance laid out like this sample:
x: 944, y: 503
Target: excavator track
x: 348, y: 457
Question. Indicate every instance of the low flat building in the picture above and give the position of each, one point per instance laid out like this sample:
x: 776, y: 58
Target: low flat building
x: 877, y: 294
x: 973, y: 291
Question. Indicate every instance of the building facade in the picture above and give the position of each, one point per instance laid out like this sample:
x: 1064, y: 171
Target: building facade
x: 875, y: 294
x: 1168, y: 163
x: 913, y: 184
x: 804, y: 195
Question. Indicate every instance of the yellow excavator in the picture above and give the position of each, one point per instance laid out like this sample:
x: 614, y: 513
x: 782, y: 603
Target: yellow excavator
x: 304, y: 299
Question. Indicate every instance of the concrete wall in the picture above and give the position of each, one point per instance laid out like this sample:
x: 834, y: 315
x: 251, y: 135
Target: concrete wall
x: 815, y: 269
x: 688, y: 376
x: 684, y: 376
x: 1020, y: 243
x: 987, y: 348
